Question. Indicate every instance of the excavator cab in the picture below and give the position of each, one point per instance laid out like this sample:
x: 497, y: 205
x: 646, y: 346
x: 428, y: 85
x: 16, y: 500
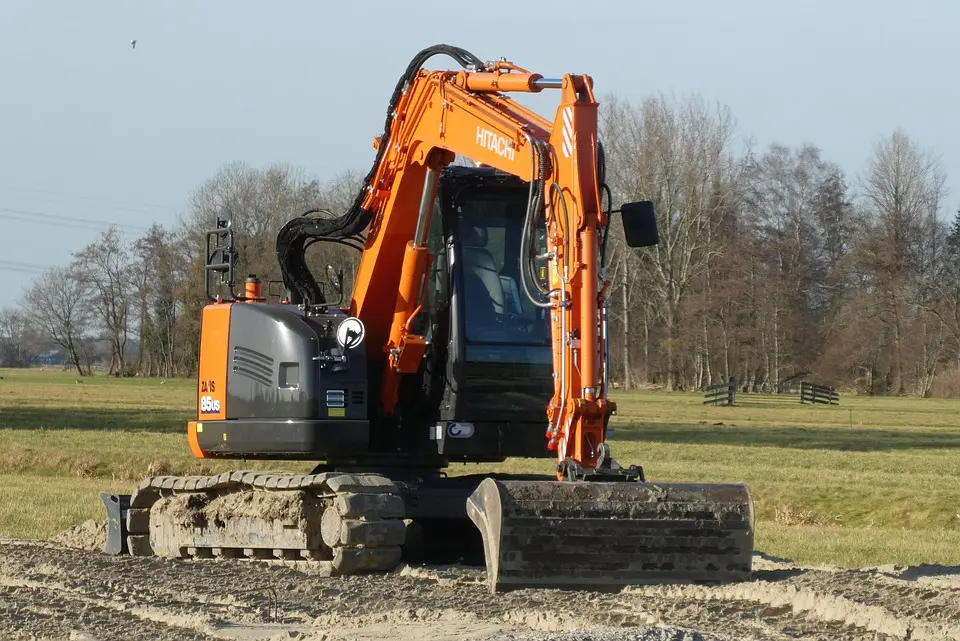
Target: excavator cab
x: 490, y: 344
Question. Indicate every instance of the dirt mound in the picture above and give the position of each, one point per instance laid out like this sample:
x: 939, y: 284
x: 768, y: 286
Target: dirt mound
x: 89, y: 535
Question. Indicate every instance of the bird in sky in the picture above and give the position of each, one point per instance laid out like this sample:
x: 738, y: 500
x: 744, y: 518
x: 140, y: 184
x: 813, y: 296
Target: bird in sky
x: 133, y: 44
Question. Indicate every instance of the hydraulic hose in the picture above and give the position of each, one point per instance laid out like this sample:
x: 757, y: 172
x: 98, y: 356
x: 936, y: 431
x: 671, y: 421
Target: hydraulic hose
x: 291, y: 239
x: 533, y: 206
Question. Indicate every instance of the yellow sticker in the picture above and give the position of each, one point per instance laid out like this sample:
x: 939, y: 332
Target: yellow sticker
x: 199, y: 427
x: 224, y: 436
x: 336, y: 411
x: 543, y: 272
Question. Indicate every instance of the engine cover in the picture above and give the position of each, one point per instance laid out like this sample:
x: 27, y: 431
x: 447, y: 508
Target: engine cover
x: 276, y: 381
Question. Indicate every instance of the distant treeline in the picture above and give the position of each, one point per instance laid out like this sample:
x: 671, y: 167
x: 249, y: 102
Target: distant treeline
x: 771, y: 262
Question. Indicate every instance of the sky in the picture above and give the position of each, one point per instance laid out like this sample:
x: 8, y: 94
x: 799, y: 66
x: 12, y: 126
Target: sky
x: 94, y: 132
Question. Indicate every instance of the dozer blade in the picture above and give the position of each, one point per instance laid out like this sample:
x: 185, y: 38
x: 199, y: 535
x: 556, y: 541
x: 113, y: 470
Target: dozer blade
x: 607, y: 535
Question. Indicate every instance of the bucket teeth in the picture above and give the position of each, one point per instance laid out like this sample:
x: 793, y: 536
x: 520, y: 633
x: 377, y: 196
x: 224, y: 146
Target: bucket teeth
x: 585, y: 535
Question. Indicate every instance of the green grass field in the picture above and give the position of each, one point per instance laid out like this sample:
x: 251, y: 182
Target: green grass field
x: 870, y: 481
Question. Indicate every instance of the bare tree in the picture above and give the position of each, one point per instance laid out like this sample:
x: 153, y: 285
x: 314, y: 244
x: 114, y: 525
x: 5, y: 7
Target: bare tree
x: 942, y: 287
x: 677, y: 156
x: 58, y: 303
x: 105, y: 266
x: 782, y: 205
x: 156, y: 271
x: 19, y: 342
x: 903, y: 190
x: 260, y: 201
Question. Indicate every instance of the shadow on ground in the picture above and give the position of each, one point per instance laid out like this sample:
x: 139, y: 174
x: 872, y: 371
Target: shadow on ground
x: 57, y: 418
x: 796, y: 437
x: 808, y: 438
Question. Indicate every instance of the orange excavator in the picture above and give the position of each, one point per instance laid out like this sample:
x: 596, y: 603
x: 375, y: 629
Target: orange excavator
x: 476, y: 333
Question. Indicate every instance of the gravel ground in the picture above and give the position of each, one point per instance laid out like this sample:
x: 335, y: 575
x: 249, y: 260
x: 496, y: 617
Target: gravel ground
x: 67, y: 589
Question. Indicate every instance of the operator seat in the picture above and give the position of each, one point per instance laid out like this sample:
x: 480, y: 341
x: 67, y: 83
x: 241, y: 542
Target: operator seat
x: 483, y: 288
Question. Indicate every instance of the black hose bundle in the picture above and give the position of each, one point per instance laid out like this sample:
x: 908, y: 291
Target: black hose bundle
x: 292, y: 240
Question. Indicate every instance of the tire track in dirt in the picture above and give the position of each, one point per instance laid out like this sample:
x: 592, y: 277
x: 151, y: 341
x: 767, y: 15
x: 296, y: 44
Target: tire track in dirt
x: 159, y: 599
x: 858, y: 600
x: 31, y: 611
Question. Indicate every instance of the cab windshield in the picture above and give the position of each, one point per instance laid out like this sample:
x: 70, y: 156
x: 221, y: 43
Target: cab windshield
x: 497, y: 311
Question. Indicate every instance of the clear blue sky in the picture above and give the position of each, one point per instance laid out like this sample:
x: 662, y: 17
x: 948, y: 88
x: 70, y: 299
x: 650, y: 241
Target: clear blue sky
x: 92, y: 129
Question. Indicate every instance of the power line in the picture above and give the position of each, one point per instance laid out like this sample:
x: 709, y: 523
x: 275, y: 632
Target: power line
x: 25, y: 268
x: 119, y: 205
x: 39, y: 217
x: 25, y: 264
x: 42, y: 221
x: 62, y: 203
x: 59, y: 220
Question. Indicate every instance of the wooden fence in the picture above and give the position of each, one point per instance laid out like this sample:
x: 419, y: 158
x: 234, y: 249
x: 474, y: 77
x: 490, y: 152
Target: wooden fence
x: 819, y: 394
x: 728, y: 394
x: 721, y: 393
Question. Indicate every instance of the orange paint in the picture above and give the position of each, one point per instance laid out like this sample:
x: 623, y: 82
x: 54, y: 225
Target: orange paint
x: 212, y: 378
x: 468, y: 113
x: 253, y: 290
x: 501, y: 82
x: 193, y: 441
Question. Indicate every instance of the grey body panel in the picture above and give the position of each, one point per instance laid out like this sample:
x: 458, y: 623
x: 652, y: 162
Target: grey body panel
x: 272, y: 372
x: 281, y: 438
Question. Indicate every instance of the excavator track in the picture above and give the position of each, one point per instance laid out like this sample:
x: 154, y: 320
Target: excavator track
x: 337, y: 522
x: 539, y: 533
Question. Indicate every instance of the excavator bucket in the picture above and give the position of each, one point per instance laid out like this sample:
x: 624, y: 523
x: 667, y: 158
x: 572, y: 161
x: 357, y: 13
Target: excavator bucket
x: 607, y: 535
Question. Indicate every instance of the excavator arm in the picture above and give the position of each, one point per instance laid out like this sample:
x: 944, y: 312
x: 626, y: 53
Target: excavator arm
x: 444, y: 113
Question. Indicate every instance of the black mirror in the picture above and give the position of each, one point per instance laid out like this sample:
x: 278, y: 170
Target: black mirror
x: 335, y: 278
x: 639, y: 224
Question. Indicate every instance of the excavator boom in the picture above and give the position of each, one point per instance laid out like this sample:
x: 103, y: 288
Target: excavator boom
x: 381, y: 390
